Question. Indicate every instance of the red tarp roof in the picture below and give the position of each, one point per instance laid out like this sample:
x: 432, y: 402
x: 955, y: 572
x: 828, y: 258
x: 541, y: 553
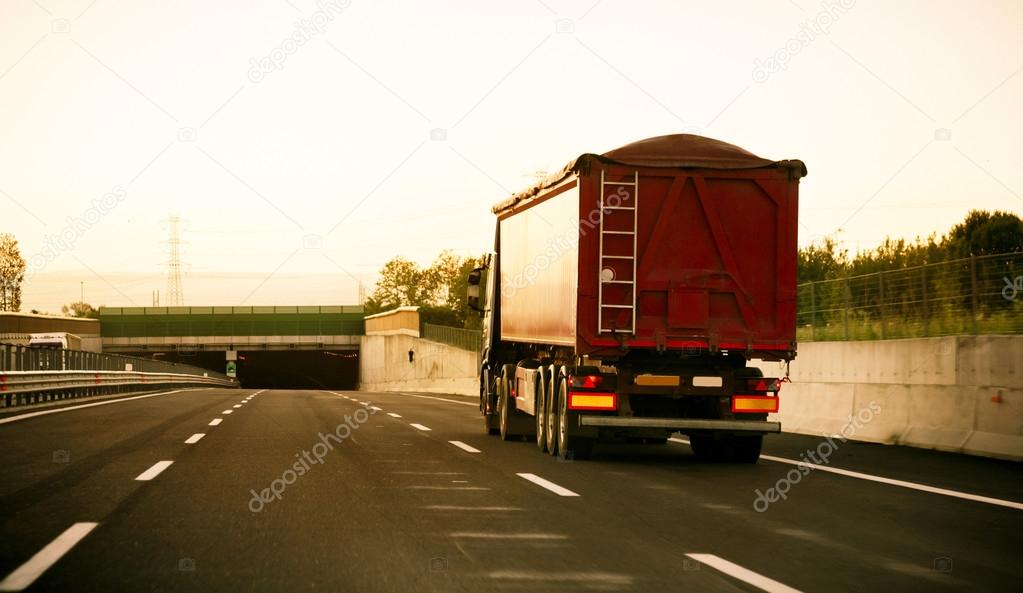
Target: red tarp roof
x: 684, y: 151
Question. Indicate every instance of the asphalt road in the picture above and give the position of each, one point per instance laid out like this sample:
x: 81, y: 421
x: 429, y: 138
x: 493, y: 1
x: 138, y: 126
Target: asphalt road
x: 414, y: 497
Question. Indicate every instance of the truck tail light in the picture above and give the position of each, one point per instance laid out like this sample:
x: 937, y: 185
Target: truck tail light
x: 754, y: 404
x: 589, y: 400
x: 588, y: 381
x: 763, y: 385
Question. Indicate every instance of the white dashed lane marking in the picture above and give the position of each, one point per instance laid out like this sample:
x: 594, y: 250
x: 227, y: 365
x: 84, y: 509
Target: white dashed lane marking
x: 464, y: 447
x: 194, y: 438
x: 420, y: 427
x: 743, y: 574
x: 559, y: 490
x: 27, y: 573
x: 216, y: 421
x: 154, y: 471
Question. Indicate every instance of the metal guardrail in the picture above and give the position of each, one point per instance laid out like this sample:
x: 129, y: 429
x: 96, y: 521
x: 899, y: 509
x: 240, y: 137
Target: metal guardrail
x: 976, y: 295
x: 466, y: 339
x: 30, y: 375
x: 20, y: 388
x: 14, y: 357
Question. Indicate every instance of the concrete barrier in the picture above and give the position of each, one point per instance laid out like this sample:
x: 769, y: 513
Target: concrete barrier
x: 435, y: 368
x: 959, y: 393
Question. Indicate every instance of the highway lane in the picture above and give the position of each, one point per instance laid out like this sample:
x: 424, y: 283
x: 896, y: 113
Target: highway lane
x: 396, y: 506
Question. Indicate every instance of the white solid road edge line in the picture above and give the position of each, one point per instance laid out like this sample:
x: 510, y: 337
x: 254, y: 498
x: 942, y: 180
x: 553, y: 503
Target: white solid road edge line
x: 743, y: 574
x: 901, y: 483
x: 27, y: 573
x: 154, y: 471
x: 464, y: 447
x: 559, y: 490
x: 194, y: 438
x: 890, y: 481
x: 440, y: 399
x: 102, y: 403
x: 215, y: 421
x: 420, y: 426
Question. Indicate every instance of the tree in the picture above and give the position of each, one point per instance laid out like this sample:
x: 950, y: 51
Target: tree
x: 821, y: 262
x: 439, y: 290
x: 12, y: 273
x: 986, y: 233
x: 80, y: 310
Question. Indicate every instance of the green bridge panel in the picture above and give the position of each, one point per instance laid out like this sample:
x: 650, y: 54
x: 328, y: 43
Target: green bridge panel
x: 138, y: 322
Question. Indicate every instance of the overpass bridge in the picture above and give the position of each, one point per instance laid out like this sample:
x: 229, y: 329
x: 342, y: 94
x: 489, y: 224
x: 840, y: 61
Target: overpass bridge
x: 294, y: 346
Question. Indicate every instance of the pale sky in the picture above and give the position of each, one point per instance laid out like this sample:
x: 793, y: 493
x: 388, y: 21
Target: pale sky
x: 295, y: 183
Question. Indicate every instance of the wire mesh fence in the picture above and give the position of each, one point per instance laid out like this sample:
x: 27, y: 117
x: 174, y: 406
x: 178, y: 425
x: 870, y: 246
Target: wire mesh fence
x: 977, y: 295
x: 466, y: 339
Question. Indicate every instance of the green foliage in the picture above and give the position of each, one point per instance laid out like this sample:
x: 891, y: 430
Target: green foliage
x: 980, y: 233
x: 80, y: 310
x: 439, y: 290
x: 926, y: 287
x: 12, y: 273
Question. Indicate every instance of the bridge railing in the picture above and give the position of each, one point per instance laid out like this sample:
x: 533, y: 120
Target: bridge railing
x: 976, y: 295
x: 30, y: 375
x: 466, y: 339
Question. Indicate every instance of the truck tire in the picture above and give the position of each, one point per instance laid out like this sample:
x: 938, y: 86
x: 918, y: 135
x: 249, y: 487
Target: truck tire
x: 514, y: 424
x: 729, y: 448
x: 539, y: 413
x: 550, y: 412
x: 745, y: 449
x: 569, y: 445
x: 491, y: 422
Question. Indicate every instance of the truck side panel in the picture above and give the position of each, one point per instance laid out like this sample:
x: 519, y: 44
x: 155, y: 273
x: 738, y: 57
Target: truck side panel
x: 538, y: 267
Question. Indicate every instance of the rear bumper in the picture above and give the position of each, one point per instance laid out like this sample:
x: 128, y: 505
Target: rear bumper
x: 682, y: 423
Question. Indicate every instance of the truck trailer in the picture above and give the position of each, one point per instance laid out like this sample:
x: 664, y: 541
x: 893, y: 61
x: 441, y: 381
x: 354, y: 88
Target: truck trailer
x: 627, y: 295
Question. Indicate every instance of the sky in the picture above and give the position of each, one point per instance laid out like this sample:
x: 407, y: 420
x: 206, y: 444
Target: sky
x: 303, y: 143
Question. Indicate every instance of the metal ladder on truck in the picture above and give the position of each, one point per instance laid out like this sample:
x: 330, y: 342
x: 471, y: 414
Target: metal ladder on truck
x: 626, y: 258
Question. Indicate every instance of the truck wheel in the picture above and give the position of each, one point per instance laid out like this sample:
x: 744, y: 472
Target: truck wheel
x: 704, y: 447
x: 745, y: 449
x: 569, y: 446
x: 491, y: 422
x: 504, y: 410
x: 550, y: 412
x: 514, y: 424
x: 540, y: 414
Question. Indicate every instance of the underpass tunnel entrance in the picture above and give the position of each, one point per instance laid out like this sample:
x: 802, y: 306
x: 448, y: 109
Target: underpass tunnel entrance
x: 279, y: 369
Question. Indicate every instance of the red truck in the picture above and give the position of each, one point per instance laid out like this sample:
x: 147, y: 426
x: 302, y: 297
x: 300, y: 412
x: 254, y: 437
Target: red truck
x: 627, y: 294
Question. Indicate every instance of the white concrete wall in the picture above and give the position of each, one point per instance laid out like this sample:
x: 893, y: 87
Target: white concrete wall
x: 437, y: 368
x: 962, y: 394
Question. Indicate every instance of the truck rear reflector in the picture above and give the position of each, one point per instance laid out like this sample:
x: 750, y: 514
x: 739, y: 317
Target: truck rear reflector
x: 657, y: 380
x: 592, y: 401
x: 756, y: 404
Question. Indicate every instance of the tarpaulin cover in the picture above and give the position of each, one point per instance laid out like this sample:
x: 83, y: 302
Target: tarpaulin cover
x: 680, y: 151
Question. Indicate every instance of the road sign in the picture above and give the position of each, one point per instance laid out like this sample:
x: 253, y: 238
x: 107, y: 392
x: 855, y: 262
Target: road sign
x: 232, y: 355
x: 232, y: 369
